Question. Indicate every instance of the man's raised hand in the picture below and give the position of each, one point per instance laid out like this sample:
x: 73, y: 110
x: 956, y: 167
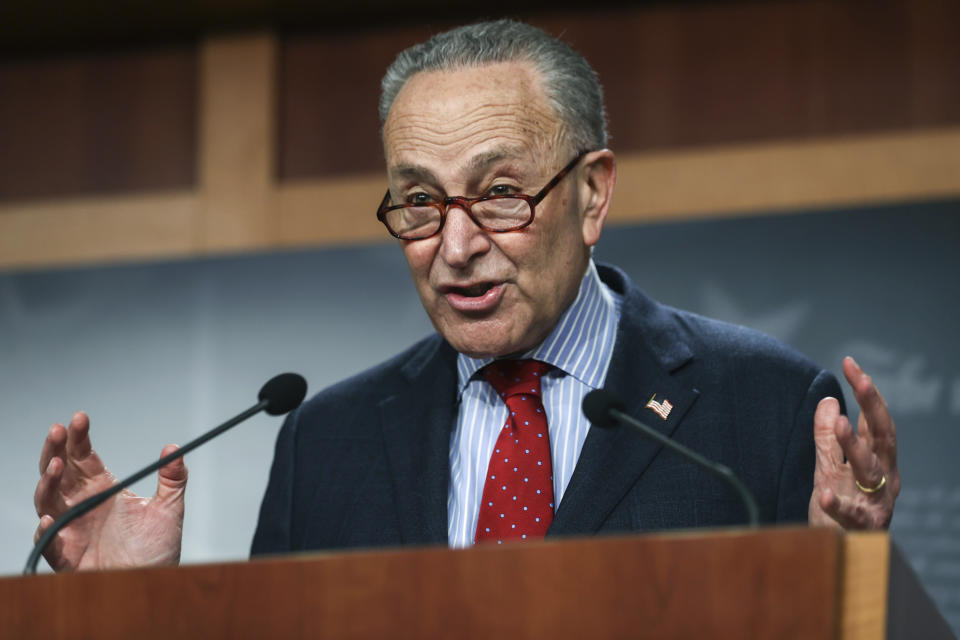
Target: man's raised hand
x: 127, y: 530
x: 859, y: 492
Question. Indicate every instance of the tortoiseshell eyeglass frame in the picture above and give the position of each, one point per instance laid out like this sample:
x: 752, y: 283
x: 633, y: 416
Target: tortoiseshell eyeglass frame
x: 466, y: 203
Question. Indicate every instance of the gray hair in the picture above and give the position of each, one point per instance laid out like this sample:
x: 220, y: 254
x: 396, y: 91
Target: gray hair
x: 571, y: 84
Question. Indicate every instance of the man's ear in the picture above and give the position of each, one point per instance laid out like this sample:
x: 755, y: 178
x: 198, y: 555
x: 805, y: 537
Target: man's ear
x: 598, y: 176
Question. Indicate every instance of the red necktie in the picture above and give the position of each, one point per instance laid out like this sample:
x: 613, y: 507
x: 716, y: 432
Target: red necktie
x: 518, y: 492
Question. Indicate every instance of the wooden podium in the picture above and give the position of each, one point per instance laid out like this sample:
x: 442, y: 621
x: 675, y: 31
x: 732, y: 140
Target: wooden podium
x: 773, y: 583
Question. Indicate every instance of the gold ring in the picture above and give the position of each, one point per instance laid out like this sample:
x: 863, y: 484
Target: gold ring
x: 881, y: 485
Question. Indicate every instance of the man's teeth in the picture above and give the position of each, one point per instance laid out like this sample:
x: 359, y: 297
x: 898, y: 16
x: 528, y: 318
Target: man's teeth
x: 476, y: 290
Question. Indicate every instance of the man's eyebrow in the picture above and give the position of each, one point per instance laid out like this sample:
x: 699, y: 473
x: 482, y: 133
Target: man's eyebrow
x: 484, y: 160
x: 476, y: 163
x: 414, y: 171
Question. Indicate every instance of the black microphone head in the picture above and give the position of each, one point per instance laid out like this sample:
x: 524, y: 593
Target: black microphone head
x: 597, y: 405
x: 283, y: 393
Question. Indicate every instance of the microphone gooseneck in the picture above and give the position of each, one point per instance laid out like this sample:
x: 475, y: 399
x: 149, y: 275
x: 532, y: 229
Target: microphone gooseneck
x: 281, y: 394
x: 606, y: 410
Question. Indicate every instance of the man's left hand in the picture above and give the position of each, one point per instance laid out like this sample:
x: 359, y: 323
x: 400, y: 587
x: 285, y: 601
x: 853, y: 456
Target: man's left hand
x: 856, y: 480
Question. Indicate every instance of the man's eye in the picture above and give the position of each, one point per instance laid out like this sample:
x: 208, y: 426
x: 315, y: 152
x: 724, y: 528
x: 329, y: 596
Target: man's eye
x: 501, y: 190
x: 419, y: 198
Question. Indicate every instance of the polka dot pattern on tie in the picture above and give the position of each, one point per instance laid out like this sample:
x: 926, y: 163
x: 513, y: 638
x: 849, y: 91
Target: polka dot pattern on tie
x: 518, y: 493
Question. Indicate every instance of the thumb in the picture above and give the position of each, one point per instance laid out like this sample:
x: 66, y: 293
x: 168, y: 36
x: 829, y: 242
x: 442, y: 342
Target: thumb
x: 172, y: 478
x: 825, y: 420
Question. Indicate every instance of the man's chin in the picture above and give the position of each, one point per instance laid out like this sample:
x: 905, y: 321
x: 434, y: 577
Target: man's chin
x: 503, y: 332
x: 488, y: 344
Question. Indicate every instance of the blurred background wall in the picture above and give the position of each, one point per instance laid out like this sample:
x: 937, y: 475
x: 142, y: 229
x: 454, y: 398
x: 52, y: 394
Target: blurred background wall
x: 187, y: 198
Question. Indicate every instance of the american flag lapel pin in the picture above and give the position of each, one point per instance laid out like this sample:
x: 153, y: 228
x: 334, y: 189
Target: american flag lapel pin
x: 662, y: 409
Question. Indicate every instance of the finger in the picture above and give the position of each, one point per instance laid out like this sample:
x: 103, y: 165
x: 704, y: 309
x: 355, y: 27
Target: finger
x: 82, y: 462
x: 172, y: 478
x: 875, y: 417
x: 818, y: 516
x: 863, y: 461
x: 78, y: 437
x: 47, y: 497
x: 54, y: 446
x: 845, y: 511
x: 852, y: 513
x: 45, y: 522
x: 54, y: 549
x: 825, y: 419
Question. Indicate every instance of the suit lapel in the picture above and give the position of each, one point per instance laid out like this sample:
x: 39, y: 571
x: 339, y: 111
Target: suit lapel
x: 648, y: 349
x: 416, y: 424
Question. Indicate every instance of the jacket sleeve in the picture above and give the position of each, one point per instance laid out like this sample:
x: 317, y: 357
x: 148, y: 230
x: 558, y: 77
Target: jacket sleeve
x: 273, y: 527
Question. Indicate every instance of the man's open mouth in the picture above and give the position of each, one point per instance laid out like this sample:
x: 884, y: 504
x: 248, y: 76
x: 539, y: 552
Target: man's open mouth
x: 473, y: 291
x: 481, y: 297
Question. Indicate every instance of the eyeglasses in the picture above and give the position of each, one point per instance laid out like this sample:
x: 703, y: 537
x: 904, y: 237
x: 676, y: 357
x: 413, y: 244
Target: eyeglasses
x: 499, y: 214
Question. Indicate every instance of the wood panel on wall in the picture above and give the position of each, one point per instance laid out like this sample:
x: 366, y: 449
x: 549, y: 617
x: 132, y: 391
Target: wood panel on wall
x: 328, y: 91
x: 259, y: 141
x: 755, y: 72
x: 98, y: 123
x: 689, y: 76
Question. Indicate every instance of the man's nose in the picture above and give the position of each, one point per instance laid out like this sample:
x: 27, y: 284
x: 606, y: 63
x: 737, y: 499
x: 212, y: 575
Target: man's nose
x: 461, y: 239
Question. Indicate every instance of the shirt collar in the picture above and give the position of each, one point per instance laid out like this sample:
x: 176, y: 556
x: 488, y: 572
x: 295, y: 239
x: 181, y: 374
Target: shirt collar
x: 583, y: 336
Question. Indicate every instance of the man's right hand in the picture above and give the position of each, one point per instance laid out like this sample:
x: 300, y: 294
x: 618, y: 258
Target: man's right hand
x: 125, y: 531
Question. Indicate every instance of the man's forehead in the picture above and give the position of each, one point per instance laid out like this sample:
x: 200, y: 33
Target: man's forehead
x: 441, y: 123
x: 475, y: 162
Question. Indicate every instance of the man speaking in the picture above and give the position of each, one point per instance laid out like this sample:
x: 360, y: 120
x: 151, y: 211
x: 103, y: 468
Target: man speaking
x: 499, y: 183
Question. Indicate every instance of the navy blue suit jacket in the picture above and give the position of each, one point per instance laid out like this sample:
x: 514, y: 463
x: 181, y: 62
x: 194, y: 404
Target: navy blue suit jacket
x: 365, y: 463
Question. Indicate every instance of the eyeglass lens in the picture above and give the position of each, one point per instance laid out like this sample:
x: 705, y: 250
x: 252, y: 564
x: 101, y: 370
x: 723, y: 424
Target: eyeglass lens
x: 498, y: 214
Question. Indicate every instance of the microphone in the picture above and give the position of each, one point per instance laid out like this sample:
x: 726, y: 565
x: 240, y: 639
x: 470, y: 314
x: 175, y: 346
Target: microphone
x: 281, y: 394
x: 605, y: 410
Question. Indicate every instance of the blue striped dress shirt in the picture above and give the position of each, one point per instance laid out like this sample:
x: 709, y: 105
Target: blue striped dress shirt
x: 579, y: 348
